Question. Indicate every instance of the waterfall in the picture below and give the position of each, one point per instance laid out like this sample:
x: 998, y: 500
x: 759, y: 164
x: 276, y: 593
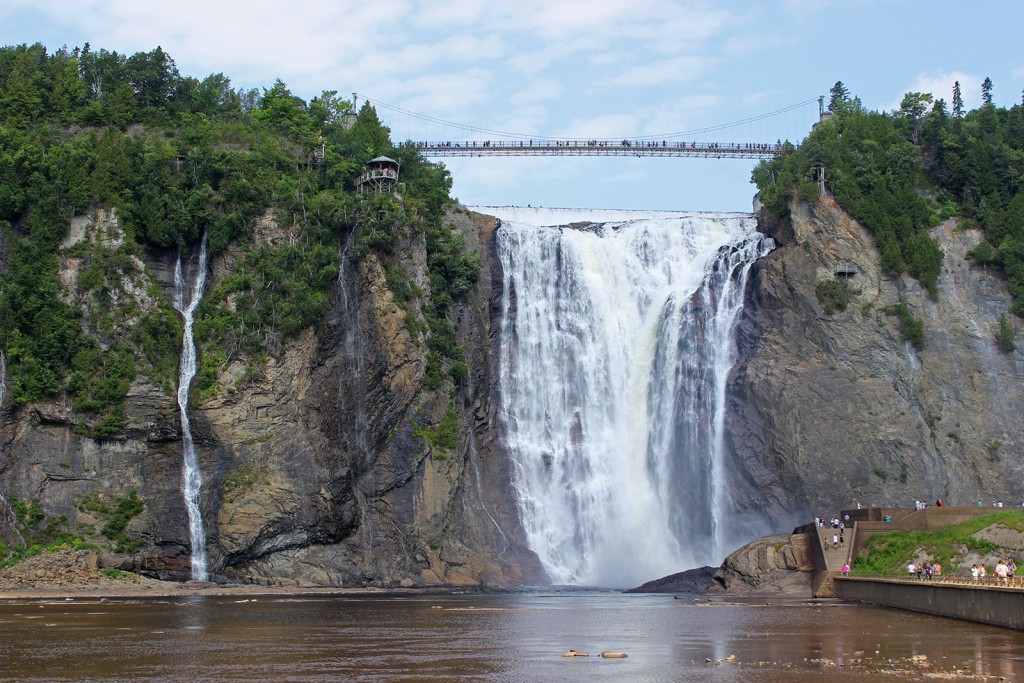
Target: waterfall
x: 3, y: 386
x: 192, y: 477
x: 6, y: 514
x: 616, y: 342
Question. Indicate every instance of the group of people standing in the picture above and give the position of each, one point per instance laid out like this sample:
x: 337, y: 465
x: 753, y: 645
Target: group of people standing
x: 923, y: 570
x: 838, y: 527
x: 1003, y: 572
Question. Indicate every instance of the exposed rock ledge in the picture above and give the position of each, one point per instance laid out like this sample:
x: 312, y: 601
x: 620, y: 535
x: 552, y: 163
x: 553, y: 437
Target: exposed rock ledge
x: 767, y: 566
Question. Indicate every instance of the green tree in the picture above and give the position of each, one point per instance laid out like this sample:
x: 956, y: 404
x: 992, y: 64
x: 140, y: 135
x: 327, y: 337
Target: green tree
x: 153, y: 76
x: 1004, y: 335
x: 912, y: 110
x: 958, y: 101
x: 21, y: 99
x: 283, y: 112
x: 986, y: 92
x: 839, y: 95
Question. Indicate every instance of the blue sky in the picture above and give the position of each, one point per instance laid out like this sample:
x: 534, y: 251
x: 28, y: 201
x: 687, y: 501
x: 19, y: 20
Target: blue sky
x: 572, y: 68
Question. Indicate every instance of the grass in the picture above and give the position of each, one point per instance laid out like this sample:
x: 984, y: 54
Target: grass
x: 888, y: 553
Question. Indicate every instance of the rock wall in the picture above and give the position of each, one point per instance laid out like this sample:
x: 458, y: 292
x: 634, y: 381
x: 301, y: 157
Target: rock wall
x: 831, y: 409
x: 316, y: 470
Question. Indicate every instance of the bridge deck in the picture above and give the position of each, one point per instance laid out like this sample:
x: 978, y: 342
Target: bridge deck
x: 600, y: 148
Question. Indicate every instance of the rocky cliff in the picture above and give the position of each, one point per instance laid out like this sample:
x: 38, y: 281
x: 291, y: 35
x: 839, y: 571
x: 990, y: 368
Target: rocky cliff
x: 831, y: 408
x: 318, y: 461
x: 321, y: 464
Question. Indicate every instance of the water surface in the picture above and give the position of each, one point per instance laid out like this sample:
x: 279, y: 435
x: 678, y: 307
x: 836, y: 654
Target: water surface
x: 497, y: 637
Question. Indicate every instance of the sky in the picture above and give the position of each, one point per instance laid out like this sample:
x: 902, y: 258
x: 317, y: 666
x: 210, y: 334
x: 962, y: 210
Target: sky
x: 570, y: 68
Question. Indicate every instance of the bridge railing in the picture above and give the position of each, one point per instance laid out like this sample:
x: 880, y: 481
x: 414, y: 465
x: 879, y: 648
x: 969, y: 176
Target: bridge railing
x: 625, y: 147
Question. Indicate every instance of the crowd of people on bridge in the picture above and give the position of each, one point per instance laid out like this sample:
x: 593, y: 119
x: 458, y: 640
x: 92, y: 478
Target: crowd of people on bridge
x: 738, y: 147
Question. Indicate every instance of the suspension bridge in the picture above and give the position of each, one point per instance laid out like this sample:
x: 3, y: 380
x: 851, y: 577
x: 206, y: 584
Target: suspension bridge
x: 755, y: 137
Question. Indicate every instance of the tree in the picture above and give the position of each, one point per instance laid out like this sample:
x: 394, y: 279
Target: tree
x: 838, y: 96
x: 152, y: 76
x: 986, y: 92
x: 328, y: 109
x: 912, y: 108
x: 1004, y: 335
x: 282, y: 111
x: 892, y: 258
x: 958, y: 100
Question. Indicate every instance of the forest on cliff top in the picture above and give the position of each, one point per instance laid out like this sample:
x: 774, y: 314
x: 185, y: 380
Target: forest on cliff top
x: 900, y: 173
x: 176, y: 158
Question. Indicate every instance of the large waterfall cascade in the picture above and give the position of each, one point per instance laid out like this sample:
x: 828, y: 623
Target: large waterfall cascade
x: 192, y: 477
x: 616, y: 342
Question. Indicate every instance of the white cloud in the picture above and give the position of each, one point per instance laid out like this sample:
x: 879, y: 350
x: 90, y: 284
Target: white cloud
x: 660, y: 72
x: 940, y: 85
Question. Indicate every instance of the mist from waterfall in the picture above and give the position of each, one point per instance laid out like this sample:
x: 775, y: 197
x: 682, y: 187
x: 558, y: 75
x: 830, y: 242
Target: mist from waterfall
x: 192, y: 477
x: 616, y: 341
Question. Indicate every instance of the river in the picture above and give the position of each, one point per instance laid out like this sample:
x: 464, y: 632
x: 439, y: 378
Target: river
x: 506, y: 637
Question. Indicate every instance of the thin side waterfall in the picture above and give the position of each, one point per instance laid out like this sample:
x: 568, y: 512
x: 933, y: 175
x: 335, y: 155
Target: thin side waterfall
x: 3, y: 386
x: 192, y: 477
x: 616, y: 343
x: 352, y: 390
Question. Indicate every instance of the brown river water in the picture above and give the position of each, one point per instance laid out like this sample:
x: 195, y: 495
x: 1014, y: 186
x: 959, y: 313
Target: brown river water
x: 513, y: 637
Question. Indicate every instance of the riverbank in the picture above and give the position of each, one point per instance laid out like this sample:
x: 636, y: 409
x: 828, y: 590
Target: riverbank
x: 74, y: 575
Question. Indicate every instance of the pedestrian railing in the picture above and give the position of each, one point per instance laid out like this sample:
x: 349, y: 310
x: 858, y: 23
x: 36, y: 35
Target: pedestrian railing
x: 953, y: 579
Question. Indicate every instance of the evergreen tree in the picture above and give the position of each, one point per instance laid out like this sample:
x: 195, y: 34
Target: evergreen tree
x: 958, y: 100
x: 1004, y: 335
x: 986, y: 92
x: 838, y: 96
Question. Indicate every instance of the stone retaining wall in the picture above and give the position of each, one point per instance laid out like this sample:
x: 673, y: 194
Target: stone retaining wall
x: 991, y: 605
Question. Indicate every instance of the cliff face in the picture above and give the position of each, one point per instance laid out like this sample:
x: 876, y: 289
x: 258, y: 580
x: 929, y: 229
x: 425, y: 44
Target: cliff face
x: 827, y: 410
x: 316, y: 468
x: 319, y: 467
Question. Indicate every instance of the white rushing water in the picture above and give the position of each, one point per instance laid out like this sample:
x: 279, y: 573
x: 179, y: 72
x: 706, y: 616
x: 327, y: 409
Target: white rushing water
x: 616, y: 343
x: 192, y: 477
x: 3, y: 385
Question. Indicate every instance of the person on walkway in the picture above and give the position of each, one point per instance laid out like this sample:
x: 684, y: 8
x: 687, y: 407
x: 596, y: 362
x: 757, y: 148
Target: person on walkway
x: 937, y: 569
x: 1001, y: 573
x: 911, y: 569
x: 846, y: 569
x: 835, y: 541
x: 928, y: 570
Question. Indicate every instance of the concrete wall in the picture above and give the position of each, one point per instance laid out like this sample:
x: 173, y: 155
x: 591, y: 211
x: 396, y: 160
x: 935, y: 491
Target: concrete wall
x: 984, y: 604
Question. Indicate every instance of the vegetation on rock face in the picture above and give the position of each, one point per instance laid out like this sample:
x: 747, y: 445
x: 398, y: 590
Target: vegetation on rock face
x: 899, y: 173
x: 911, y: 327
x: 175, y: 158
x: 39, y: 533
x: 833, y: 295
